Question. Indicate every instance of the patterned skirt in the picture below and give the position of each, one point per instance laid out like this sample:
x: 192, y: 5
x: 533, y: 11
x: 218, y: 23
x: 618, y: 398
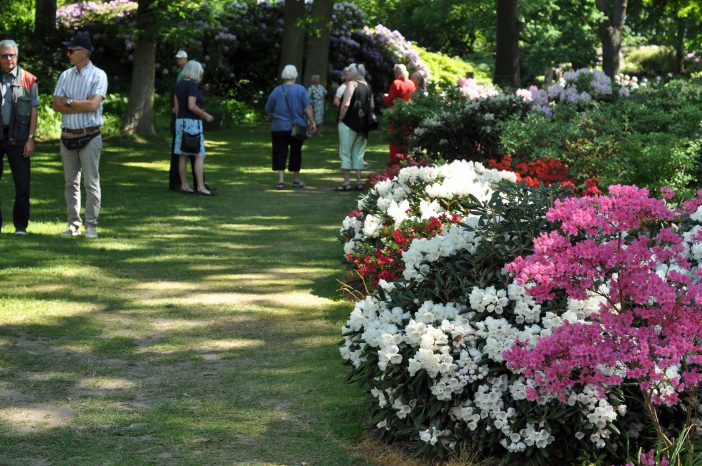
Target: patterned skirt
x: 191, y: 126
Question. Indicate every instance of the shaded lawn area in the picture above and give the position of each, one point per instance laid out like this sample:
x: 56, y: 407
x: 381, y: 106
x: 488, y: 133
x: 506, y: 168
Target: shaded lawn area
x: 195, y: 330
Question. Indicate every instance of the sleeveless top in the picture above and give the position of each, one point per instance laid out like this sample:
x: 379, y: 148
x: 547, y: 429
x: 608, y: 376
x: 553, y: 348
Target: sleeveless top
x: 359, y: 107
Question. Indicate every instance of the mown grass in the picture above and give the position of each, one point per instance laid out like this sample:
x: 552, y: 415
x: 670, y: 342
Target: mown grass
x: 195, y: 330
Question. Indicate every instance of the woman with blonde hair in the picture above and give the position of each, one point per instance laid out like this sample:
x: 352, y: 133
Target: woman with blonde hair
x: 190, y: 112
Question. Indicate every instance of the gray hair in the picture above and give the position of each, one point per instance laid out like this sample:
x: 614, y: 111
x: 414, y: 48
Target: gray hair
x: 401, y: 70
x: 193, y: 70
x: 357, y: 71
x: 289, y: 73
x: 9, y: 44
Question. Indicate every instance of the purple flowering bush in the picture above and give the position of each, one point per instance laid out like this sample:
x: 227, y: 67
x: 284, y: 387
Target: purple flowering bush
x: 238, y: 44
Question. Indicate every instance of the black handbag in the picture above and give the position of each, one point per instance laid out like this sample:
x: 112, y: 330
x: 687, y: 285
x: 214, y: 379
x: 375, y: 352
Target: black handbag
x: 80, y: 142
x: 372, y: 120
x: 189, y: 143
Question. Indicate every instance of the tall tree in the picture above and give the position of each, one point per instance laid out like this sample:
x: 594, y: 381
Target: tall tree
x: 507, y: 46
x: 44, y: 18
x: 317, y: 56
x: 140, y: 106
x: 610, y: 31
x: 293, y: 47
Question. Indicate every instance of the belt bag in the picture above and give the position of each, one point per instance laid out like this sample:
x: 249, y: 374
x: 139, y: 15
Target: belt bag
x: 80, y: 142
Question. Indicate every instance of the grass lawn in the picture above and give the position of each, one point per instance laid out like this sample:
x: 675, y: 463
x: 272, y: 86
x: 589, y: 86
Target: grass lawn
x: 195, y: 330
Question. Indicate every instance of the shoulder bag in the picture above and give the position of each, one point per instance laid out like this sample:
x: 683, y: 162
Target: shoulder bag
x: 299, y: 132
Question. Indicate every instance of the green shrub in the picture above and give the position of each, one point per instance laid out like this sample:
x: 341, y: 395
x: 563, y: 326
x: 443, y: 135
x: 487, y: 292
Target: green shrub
x: 467, y: 129
x: 445, y: 71
x: 650, y: 139
x: 651, y: 59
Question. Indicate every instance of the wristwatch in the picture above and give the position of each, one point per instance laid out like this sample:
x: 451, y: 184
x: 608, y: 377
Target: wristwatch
x: 69, y: 102
x: 31, y: 136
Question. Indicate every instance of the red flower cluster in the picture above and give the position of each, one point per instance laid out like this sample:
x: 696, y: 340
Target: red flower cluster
x: 385, y: 262
x: 547, y: 171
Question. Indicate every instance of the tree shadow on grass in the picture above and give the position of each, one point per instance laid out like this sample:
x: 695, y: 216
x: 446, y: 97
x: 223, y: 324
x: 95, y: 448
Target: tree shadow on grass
x: 193, y: 331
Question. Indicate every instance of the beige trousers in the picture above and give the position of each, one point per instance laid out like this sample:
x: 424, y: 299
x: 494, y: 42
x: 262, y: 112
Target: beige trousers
x: 86, y: 162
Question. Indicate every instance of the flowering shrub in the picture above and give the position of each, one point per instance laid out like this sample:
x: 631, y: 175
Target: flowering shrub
x: 428, y: 347
x: 607, y: 304
x: 581, y: 87
x: 547, y: 171
x: 645, y: 333
x: 475, y: 90
x: 648, y: 139
x: 418, y: 194
x: 465, y: 127
x: 76, y: 14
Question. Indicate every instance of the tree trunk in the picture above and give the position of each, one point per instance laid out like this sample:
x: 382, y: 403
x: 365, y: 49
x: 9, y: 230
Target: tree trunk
x: 680, y: 45
x: 317, y: 57
x: 140, y: 106
x: 292, y: 48
x: 507, y: 47
x: 44, y: 18
x: 610, y: 31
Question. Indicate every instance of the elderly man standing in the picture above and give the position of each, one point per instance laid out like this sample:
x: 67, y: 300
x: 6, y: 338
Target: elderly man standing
x: 78, y: 97
x: 19, y: 99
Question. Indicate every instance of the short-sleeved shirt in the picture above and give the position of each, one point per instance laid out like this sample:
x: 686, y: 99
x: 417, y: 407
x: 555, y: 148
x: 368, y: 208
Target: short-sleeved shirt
x: 184, y: 89
x: 6, y: 80
x: 280, y: 108
x: 82, y: 84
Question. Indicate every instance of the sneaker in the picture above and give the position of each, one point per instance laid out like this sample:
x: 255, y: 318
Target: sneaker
x: 91, y: 232
x: 21, y: 232
x: 70, y: 232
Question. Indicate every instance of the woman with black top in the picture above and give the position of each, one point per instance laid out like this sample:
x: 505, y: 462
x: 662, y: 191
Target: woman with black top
x: 189, y: 108
x: 356, y: 103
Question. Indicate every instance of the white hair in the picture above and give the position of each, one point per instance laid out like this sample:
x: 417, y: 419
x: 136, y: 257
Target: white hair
x: 401, y: 70
x: 193, y: 70
x: 9, y: 44
x: 289, y: 73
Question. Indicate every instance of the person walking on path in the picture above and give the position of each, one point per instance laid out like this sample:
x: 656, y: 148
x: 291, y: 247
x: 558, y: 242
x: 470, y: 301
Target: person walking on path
x: 401, y: 88
x: 78, y: 96
x: 19, y: 99
x: 318, y: 94
x: 356, y: 104
x: 288, y: 105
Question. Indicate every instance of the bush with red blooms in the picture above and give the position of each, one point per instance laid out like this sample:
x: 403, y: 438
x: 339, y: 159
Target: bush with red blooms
x: 547, y: 171
x: 384, y: 262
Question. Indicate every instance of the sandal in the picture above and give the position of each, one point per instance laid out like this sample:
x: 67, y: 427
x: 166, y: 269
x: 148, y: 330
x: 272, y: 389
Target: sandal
x: 359, y: 187
x: 343, y: 187
x: 279, y: 186
x: 298, y: 184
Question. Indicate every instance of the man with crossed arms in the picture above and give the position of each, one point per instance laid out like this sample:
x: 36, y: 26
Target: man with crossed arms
x: 78, y: 97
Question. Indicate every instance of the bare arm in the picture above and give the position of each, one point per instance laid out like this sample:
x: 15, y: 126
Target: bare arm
x: 29, y: 145
x: 346, y: 99
x: 60, y: 104
x: 192, y: 106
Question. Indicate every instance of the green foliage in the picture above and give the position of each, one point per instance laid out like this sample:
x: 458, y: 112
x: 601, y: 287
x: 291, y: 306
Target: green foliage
x: 445, y: 71
x: 650, y: 139
x: 455, y: 27
x: 651, y: 60
x: 558, y: 31
x: 466, y: 128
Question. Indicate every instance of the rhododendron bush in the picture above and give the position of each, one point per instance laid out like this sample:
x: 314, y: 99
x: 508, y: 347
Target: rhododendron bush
x: 537, y: 321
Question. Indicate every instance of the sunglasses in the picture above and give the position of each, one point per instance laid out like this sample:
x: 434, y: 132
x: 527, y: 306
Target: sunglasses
x: 7, y: 56
x: 70, y: 51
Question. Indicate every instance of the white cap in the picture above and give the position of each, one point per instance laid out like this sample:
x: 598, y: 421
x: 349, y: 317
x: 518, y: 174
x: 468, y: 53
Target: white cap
x: 181, y: 54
